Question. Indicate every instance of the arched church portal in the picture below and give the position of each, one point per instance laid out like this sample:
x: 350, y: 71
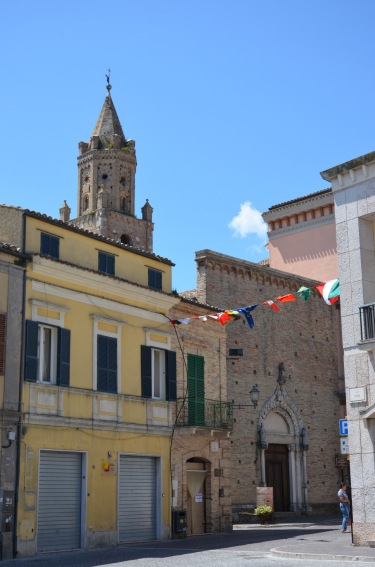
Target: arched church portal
x: 282, y: 442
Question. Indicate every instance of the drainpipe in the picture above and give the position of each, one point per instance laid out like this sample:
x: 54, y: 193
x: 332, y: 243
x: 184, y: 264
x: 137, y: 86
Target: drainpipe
x: 21, y: 372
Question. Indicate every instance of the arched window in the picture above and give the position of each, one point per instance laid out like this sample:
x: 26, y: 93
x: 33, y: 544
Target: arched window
x: 122, y: 203
x: 85, y: 202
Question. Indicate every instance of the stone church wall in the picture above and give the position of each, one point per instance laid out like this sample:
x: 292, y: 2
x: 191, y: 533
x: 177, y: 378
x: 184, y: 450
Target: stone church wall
x: 302, y: 336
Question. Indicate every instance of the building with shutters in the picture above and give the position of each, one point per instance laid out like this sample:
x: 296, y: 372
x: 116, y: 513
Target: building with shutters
x: 12, y: 283
x: 290, y: 440
x: 111, y: 443
x: 201, y: 439
x: 98, y: 381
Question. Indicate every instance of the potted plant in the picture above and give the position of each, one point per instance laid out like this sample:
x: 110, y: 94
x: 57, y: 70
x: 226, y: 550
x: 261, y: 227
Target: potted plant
x: 264, y: 513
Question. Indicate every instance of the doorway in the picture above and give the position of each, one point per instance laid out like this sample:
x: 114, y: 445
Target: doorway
x: 277, y: 475
x: 196, y: 502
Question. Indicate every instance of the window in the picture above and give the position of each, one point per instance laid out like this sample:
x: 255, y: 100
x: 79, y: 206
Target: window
x: 106, y: 263
x: 154, y: 279
x: 47, y: 354
x: 158, y: 368
x: 2, y: 342
x: 195, y: 383
x: 49, y: 245
x: 236, y: 352
x: 106, y: 364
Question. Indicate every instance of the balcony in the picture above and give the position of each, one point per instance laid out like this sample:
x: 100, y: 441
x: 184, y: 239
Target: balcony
x: 210, y: 414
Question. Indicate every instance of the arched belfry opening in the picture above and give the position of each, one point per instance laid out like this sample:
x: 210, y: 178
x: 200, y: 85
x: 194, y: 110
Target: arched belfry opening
x: 282, y: 444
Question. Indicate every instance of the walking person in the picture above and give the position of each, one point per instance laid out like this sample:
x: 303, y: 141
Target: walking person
x: 344, y: 506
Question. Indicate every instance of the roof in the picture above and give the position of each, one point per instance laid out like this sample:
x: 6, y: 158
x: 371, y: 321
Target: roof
x: 108, y: 124
x: 300, y: 199
x: 90, y: 234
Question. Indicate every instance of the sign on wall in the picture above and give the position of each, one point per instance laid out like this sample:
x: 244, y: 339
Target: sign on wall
x: 264, y: 496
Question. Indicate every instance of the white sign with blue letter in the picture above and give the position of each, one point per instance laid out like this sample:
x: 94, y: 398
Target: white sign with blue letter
x: 343, y: 426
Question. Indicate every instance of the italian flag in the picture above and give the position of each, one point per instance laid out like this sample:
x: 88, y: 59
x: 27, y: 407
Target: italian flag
x: 330, y: 291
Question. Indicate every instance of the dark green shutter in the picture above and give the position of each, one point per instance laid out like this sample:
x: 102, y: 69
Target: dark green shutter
x: 31, y: 352
x: 110, y: 264
x: 195, y: 390
x: 63, y: 357
x: 54, y: 247
x: 170, y: 375
x: 102, y: 264
x: 146, y: 379
x: 106, y: 364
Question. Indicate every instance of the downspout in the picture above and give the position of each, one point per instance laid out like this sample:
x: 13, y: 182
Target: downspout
x: 21, y: 373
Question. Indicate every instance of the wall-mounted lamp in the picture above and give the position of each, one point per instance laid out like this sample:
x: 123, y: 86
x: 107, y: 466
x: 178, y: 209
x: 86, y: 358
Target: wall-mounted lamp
x: 254, y: 397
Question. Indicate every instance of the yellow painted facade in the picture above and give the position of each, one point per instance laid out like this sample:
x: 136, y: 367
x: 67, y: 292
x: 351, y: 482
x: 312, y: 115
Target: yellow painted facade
x: 70, y: 293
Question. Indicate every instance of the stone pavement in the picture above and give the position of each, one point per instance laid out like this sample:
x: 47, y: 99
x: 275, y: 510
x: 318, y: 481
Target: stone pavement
x: 304, y: 538
x: 331, y: 545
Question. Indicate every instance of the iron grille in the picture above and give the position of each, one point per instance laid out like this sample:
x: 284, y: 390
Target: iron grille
x: 215, y: 415
x: 367, y: 318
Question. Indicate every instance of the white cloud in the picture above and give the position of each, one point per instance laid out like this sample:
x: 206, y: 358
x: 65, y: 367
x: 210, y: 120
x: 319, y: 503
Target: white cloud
x: 249, y: 221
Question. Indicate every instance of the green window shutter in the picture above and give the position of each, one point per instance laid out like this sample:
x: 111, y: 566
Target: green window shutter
x: 146, y: 379
x: 170, y: 375
x: 63, y: 357
x: 195, y: 390
x: 31, y: 354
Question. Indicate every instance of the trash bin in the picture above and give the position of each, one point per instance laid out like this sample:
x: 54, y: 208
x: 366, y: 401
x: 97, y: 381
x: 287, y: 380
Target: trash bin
x: 179, y: 522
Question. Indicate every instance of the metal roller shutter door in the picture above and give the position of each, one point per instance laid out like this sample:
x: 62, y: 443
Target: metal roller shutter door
x: 59, y: 501
x: 137, y: 498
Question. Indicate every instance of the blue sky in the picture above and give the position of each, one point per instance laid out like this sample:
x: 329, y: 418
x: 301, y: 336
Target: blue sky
x: 234, y: 107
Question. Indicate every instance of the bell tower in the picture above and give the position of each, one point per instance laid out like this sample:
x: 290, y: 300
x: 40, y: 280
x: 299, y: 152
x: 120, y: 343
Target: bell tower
x: 106, y: 184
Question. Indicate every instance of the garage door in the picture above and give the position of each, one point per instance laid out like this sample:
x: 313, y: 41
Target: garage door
x: 59, y: 501
x: 137, y: 498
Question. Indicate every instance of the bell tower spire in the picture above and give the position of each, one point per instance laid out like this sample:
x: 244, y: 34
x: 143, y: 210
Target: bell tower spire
x: 106, y: 182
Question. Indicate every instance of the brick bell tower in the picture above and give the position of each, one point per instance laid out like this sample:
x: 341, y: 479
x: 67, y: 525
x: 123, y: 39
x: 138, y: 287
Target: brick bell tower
x: 106, y: 184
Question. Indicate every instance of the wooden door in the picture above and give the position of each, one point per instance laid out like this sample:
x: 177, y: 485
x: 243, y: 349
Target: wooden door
x: 277, y: 476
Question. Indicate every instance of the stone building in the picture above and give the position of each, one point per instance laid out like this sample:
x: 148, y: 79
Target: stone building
x: 201, y: 446
x: 289, y: 441
x: 353, y: 187
x: 12, y: 283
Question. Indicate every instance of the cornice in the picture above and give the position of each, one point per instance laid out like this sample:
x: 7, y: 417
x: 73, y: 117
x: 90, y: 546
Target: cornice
x: 101, y: 289
x: 252, y: 270
x: 302, y: 206
x: 95, y: 424
x: 301, y: 226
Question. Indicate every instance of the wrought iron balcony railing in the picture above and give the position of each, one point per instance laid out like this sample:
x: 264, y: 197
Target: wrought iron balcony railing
x: 367, y: 318
x: 204, y: 413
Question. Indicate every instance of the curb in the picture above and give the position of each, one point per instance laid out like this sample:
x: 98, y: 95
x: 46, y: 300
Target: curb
x: 332, y: 557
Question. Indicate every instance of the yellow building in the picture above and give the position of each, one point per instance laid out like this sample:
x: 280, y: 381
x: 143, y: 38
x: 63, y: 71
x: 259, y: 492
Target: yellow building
x: 98, y: 380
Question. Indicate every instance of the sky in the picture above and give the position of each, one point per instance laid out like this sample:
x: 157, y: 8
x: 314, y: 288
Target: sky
x: 234, y: 107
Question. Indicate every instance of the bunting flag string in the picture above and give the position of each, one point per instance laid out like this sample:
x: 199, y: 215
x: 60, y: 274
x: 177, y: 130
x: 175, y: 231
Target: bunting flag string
x: 330, y: 291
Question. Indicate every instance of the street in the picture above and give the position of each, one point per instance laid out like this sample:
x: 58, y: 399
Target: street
x: 259, y: 545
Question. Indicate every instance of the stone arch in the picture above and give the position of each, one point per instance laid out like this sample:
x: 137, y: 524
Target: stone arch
x: 280, y: 423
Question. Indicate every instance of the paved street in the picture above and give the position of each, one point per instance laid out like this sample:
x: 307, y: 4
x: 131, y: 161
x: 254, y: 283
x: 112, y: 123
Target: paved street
x: 264, y: 546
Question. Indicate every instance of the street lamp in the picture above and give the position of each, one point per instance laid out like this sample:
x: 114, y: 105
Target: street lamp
x: 254, y: 395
